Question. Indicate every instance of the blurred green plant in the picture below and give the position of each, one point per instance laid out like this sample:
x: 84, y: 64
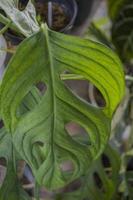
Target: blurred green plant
x: 122, y: 31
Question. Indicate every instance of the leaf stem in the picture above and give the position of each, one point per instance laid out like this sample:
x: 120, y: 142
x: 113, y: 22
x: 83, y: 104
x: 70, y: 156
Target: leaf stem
x: 71, y: 77
x: 8, y: 50
x: 6, y: 21
x: 4, y: 29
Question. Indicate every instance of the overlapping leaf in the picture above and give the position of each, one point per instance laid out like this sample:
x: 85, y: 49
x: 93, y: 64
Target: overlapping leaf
x: 24, y: 20
x: 122, y: 31
x: 101, y: 182
x: 114, y: 7
x: 97, y: 34
x: 40, y: 135
x: 107, y: 170
x: 11, y: 188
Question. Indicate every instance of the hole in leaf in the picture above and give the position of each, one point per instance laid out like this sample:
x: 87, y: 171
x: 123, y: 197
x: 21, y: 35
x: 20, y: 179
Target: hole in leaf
x: 106, y: 164
x: 22, y: 4
x: 130, y: 165
x: 78, y: 133
x: 1, y: 124
x: 3, y: 161
x: 41, y: 86
x: 20, y: 168
x: 79, y: 88
x: 84, y: 89
x: 95, y: 96
x: 40, y: 144
x: 97, y: 180
x: 32, y: 99
x: 105, y: 161
x: 74, y: 186
x: 67, y: 166
x: 3, y: 172
x: 28, y: 181
x: 3, y: 169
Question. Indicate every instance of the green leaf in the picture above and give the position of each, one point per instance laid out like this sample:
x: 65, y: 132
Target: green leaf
x: 98, y: 35
x: 11, y: 188
x: 114, y: 7
x: 24, y: 20
x: 40, y: 135
x: 122, y: 32
x: 109, y: 176
x: 101, y: 182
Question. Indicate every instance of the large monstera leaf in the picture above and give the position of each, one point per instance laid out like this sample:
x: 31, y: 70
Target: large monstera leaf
x: 40, y: 135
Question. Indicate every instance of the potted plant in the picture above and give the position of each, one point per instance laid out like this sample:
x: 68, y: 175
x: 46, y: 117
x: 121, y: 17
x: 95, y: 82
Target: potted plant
x: 59, y: 15
x: 35, y: 123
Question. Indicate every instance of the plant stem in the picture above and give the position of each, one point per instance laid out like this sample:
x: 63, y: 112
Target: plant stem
x: 71, y: 77
x: 6, y: 21
x: 3, y: 30
x: 8, y: 50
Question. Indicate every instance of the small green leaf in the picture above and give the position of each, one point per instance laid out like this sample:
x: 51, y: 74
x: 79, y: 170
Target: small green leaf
x: 40, y: 135
x: 98, y: 35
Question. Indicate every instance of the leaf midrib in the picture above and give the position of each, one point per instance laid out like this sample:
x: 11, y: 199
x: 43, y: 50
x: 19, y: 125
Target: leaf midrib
x: 51, y: 67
